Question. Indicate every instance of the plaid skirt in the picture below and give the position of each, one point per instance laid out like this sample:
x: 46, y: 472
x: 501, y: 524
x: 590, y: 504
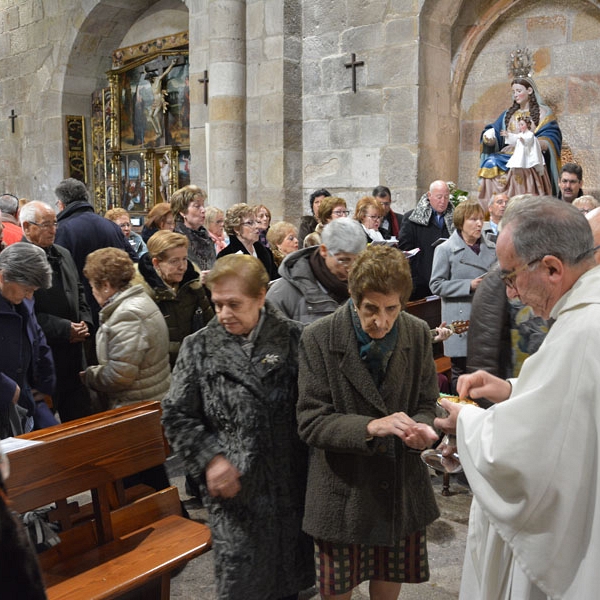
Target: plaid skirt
x: 341, y: 567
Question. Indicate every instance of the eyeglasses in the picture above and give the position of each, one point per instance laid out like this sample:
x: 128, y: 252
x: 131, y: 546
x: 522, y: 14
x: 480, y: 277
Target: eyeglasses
x: 341, y: 213
x: 45, y: 225
x: 373, y: 217
x: 346, y: 262
x: 250, y: 223
x: 125, y: 225
x: 509, y: 278
x: 175, y: 262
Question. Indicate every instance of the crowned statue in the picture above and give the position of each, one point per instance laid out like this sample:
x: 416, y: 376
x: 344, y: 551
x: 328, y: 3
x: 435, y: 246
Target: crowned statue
x: 499, y: 140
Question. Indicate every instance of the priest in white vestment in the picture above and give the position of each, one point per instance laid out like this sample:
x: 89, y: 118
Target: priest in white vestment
x: 533, y: 459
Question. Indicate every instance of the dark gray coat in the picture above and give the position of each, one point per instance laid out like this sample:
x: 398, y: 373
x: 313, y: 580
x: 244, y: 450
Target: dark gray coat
x: 360, y: 491
x: 222, y: 401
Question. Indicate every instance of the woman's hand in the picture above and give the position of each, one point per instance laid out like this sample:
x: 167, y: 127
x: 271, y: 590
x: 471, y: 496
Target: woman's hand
x: 222, y: 478
x: 442, y: 333
x: 475, y: 282
x: 415, y: 435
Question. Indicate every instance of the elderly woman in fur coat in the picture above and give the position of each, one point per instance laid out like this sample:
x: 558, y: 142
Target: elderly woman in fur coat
x: 231, y: 414
x: 367, y: 393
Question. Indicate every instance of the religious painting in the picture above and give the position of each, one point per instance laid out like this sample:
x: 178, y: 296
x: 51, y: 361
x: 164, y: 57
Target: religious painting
x: 133, y: 187
x: 184, y: 168
x: 154, y: 102
x: 140, y: 124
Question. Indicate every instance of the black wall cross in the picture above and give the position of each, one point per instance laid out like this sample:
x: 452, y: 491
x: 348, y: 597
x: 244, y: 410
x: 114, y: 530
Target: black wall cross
x: 12, y: 117
x: 204, y: 80
x: 352, y: 65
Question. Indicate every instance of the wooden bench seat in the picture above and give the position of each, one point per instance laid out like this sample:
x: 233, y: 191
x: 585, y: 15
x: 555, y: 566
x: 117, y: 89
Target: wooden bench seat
x: 122, y: 540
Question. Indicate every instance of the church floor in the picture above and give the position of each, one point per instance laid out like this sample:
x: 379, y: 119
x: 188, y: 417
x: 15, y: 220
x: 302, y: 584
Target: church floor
x: 445, y: 541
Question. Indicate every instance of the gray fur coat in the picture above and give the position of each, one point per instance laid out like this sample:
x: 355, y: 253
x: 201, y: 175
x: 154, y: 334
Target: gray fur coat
x: 224, y: 401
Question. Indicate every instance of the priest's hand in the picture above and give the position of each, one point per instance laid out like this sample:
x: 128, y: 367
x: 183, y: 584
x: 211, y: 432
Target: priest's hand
x: 448, y: 424
x: 483, y: 385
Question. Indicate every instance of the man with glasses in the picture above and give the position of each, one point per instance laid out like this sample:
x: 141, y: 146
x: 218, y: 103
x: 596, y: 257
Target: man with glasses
x: 62, y: 312
x: 532, y: 459
x: 314, y: 280
x: 422, y: 228
x: 570, y: 182
x: 497, y: 207
x: 390, y: 221
x: 9, y: 207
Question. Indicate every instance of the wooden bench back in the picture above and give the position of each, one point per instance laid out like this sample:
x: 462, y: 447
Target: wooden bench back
x: 85, y: 455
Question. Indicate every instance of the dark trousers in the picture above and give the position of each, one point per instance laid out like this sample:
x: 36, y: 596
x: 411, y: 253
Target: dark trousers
x: 459, y: 366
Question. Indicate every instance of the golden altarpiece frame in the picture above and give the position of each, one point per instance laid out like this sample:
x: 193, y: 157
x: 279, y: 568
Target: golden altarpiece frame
x: 141, y: 126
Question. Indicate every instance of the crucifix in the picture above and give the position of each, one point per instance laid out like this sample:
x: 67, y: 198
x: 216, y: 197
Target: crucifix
x: 204, y: 80
x: 12, y: 117
x: 352, y: 65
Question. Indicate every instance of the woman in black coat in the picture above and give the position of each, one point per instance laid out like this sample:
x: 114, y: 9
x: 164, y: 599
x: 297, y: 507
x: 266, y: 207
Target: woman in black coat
x: 244, y: 230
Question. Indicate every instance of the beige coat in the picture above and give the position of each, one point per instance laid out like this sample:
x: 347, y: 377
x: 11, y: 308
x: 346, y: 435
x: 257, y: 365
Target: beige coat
x: 132, y: 344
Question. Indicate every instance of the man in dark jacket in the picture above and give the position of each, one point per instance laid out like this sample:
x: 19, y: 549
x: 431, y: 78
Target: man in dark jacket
x: 62, y: 312
x: 421, y: 228
x: 81, y: 231
x: 390, y: 221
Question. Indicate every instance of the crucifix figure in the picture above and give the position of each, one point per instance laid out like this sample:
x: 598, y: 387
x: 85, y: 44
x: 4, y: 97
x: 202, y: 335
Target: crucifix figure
x: 159, y: 103
x: 12, y: 117
x: 204, y: 80
x: 352, y: 65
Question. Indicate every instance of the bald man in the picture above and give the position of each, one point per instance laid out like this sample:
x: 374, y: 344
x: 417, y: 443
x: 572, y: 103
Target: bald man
x: 593, y: 218
x: 430, y: 220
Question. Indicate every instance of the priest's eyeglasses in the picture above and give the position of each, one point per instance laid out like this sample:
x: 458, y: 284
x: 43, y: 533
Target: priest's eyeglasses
x: 510, y: 278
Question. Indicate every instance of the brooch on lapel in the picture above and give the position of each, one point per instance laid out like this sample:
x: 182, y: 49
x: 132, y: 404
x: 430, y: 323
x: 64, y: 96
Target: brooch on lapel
x: 270, y: 359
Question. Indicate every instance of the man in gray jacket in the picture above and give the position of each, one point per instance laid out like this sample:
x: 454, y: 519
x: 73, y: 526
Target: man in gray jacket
x: 314, y: 280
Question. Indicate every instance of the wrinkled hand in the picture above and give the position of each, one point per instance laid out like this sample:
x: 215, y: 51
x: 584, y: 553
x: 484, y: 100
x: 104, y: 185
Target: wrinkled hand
x: 448, y: 424
x: 483, y: 385
x: 415, y: 435
x: 222, y: 478
x: 79, y: 332
x: 442, y: 333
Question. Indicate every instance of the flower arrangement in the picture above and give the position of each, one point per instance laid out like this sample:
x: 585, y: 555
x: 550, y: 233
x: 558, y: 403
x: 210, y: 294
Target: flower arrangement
x: 456, y: 195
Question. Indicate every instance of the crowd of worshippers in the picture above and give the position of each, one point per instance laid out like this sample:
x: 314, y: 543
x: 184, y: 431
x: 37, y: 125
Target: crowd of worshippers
x: 263, y: 340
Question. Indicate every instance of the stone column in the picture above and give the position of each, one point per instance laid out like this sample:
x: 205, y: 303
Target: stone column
x: 227, y: 102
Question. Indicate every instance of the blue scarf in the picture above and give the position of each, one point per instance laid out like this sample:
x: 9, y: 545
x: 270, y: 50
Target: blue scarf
x: 375, y: 354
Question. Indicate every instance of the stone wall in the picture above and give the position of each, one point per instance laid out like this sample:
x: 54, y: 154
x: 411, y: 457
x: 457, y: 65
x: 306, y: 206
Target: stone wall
x: 283, y: 117
x: 355, y: 141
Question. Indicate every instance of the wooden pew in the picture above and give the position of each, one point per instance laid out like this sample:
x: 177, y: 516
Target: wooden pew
x: 121, y: 541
